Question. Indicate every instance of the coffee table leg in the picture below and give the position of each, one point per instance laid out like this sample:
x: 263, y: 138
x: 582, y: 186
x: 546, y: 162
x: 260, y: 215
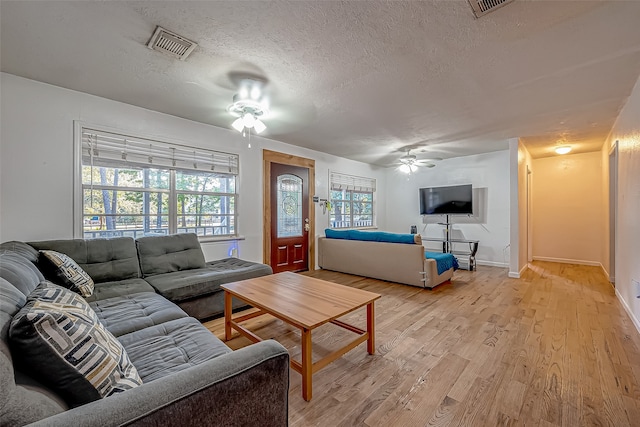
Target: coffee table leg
x: 307, y: 365
x: 227, y: 316
x: 371, y: 341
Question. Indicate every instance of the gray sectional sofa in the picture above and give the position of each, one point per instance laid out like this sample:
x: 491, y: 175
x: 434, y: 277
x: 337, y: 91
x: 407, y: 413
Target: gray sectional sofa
x: 189, y: 377
x: 173, y: 266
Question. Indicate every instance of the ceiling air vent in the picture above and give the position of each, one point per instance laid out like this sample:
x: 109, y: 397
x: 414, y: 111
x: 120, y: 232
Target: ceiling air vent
x: 171, y: 44
x: 482, y: 7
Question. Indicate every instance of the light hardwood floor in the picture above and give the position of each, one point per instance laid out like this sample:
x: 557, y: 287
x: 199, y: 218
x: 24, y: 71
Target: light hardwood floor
x: 553, y: 348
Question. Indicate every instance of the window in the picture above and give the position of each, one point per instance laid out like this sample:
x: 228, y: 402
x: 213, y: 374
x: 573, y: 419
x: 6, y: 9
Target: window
x: 351, y: 201
x: 135, y: 187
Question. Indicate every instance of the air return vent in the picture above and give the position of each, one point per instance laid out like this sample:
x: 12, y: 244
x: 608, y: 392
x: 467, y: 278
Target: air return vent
x: 171, y: 44
x: 482, y: 7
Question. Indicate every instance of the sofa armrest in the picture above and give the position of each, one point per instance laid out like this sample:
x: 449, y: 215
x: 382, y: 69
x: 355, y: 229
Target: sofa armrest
x: 237, y: 388
x: 433, y: 279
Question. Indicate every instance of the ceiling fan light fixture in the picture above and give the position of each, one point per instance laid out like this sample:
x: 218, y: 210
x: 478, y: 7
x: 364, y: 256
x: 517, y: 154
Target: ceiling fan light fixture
x: 256, y: 92
x: 409, y: 163
x: 237, y: 124
x: 249, y: 104
x: 408, y: 159
x: 248, y: 120
x: 258, y: 126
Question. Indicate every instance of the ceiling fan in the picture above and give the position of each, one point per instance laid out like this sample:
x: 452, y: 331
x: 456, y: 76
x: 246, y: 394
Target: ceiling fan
x: 241, y: 95
x: 249, y: 105
x: 409, y: 163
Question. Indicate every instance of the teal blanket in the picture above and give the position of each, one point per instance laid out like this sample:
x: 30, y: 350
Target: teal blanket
x: 443, y: 261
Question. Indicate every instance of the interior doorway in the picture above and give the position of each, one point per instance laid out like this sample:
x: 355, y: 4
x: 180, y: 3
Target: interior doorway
x: 613, y: 205
x: 289, y: 213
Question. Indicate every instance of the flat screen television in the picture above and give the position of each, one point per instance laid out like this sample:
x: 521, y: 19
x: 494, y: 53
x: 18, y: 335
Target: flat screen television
x: 453, y: 199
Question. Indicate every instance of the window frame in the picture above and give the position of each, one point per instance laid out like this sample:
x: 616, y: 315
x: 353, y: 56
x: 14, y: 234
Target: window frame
x: 172, y: 192
x: 352, y: 189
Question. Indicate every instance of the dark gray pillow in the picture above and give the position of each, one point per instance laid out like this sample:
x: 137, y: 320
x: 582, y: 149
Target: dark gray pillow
x: 58, y: 338
x: 63, y: 270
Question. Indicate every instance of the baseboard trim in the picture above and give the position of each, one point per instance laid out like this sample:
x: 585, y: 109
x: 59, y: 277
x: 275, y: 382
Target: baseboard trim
x: 633, y: 318
x: 606, y: 273
x: 517, y: 275
x: 492, y: 263
x: 568, y: 261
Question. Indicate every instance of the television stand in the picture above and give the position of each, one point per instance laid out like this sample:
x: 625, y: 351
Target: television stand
x: 448, y: 242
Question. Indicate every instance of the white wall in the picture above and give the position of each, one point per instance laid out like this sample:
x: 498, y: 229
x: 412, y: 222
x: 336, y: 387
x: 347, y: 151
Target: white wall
x: 36, y: 161
x: 514, y: 208
x: 568, y: 208
x: 627, y: 269
x: 486, y: 171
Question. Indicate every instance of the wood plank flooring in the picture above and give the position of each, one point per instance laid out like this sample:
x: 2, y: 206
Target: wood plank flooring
x: 553, y: 348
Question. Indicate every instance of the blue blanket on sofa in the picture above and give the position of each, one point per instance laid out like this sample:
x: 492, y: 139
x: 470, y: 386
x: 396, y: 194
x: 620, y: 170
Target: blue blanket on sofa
x: 443, y: 261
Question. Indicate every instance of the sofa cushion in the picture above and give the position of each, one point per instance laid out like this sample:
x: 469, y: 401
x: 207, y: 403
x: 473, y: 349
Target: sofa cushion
x: 336, y: 234
x: 373, y: 236
x: 382, y: 236
x: 119, y: 288
x: 239, y: 269
x: 125, y: 314
x: 11, y: 299
x: 409, y: 239
x: 21, y: 248
x: 103, y: 259
x: 61, y: 269
x: 20, y: 272
x: 22, y: 400
x: 183, y: 285
x: 170, y: 347
x: 166, y: 254
x: 60, y: 338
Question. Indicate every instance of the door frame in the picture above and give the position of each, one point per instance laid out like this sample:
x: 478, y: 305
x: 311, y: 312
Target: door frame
x: 613, y: 207
x: 529, y: 215
x: 269, y: 157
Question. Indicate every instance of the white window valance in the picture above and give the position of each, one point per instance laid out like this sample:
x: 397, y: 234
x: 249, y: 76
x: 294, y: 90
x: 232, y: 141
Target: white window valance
x: 341, y: 181
x: 110, y: 148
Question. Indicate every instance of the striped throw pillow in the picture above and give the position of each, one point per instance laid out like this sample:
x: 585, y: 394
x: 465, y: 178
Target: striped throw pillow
x: 67, y: 272
x: 60, y: 339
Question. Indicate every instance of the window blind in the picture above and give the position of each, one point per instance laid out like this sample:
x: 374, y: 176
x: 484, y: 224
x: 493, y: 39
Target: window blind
x: 110, y: 149
x: 340, y: 181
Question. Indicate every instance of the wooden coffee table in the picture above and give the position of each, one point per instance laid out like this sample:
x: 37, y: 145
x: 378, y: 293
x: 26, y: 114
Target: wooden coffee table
x: 306, y: 303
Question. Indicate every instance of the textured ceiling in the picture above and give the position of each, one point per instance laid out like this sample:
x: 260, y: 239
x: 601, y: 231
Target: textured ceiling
x: 362, y: 80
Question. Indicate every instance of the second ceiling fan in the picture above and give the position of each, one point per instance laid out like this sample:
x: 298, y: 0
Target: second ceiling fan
x: 409, y: 163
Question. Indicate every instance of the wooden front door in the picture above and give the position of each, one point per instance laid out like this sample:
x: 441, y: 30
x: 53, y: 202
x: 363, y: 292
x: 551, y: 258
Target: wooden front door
x: 289, y: 218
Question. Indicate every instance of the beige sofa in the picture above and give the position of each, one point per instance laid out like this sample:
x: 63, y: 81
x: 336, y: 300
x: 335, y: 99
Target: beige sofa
x: 394, y: 262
